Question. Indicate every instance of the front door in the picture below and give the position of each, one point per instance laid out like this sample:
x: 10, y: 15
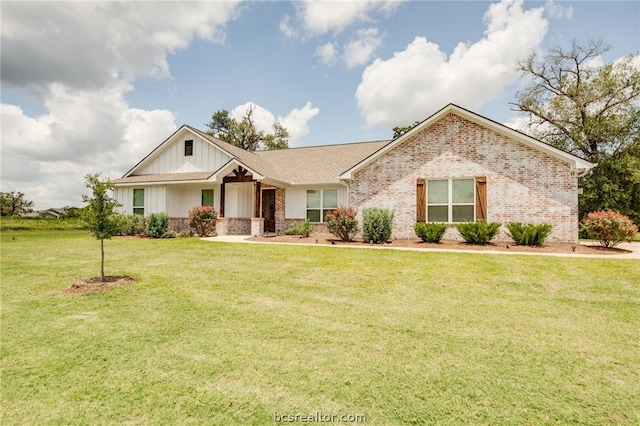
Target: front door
x: 269, y: 209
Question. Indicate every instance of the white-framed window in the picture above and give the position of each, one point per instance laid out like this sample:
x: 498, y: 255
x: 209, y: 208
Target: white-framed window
x: 451, y: 200
x: 138, y: 201
x: 207, y: 197
x: 320, y: 202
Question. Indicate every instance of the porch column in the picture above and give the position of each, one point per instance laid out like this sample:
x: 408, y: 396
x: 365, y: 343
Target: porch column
x: 222, y: 200
x: 256, y: 207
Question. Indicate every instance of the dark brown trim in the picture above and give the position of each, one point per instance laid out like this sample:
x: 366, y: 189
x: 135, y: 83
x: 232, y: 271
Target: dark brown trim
x: 481, y: 198
x: 421, y: 202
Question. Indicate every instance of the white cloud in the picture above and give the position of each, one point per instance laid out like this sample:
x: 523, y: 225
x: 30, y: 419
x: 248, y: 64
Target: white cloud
x: 555, y: 10
x: 322, y: 17
x: 360, y: 51
x: 328, y: 53
x: 79, y: 60
x: 296, y: 122
x: 416, y: 82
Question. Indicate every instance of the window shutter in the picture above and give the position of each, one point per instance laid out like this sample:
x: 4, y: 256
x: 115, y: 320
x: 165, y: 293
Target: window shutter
x: 481, y: 198
x: 421, y: 204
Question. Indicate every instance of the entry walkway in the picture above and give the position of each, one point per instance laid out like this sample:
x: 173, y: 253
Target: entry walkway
x: 633, y: 247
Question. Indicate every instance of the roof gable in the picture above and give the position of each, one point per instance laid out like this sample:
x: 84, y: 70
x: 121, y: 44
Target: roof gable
x: 582, y: 166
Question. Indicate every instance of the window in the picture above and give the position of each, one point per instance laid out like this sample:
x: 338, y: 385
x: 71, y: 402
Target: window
x: 138, y: 201
x: 207, y: 197
x: 451, y: 200
x: 320, y: 202
x: 188, y: 148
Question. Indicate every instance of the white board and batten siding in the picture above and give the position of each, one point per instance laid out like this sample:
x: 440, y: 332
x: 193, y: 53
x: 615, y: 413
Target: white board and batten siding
x: 171, y: 159
x: 295, y: 200
x: 238, y: 200
x: 182, y: 198
x: 154, y: 198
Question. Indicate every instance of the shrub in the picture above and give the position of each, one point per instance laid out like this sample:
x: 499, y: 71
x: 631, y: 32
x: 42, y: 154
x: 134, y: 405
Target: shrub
x: 528, y: 234
x: 203, y: 220
x: 300, y: 228
x: 342, y: 223
x: 185, y: 233
x: 430, y: 232
x: 609, y: 228
x: 377, y: 225
x: 127, y: 224
x: 157, y: 225
x: 169, y: 234
x: 141, y: 226
x: 478, y: 232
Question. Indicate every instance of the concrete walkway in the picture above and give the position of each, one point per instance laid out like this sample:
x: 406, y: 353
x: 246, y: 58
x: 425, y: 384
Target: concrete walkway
x: 633, y: 247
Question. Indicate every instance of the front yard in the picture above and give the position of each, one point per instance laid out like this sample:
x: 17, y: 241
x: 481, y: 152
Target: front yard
x: 214, y: 333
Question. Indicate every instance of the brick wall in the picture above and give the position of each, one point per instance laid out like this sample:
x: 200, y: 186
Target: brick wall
x: 523, y: 184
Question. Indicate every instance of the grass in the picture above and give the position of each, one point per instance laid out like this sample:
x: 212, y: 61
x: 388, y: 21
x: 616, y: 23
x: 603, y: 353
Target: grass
x: 215, y: 333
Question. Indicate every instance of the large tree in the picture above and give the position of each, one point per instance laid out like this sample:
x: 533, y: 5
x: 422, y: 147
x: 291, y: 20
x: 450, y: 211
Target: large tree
x: 577, y: 103
x: 244, y: 133
x: 100, y: 212
x: 13, y: 203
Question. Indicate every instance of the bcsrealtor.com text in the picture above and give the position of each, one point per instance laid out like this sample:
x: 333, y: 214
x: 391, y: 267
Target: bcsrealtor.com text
x: 318, y: 417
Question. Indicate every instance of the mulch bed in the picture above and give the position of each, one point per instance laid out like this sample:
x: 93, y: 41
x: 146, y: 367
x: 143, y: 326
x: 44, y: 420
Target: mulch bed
x: 95, y: 284
x: 329, y: 239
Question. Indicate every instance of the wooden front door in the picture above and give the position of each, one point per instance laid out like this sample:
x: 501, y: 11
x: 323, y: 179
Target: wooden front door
x: 269, y: 209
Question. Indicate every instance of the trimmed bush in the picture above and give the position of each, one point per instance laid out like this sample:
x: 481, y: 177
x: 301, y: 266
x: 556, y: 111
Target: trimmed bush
x: 157, y: 225
x: 141, y: 226
x: 127, y: 224
x: 528, y: 234
x: 609, y: 228
x: 478, y: 232
x: 185, y: 233
x: 303, y: 229
x: 342, y: 223
x: 377, y: 225
x: 203, y: 220
x: 430, y: 232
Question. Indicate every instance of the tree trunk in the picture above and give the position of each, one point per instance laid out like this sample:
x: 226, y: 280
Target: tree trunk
x: 102, y: 260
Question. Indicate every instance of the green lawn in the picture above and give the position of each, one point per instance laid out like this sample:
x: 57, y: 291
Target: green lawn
x: 216, y: 333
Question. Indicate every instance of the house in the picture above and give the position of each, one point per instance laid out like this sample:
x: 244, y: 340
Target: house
x: 455, y: 166
x: 53, y: 212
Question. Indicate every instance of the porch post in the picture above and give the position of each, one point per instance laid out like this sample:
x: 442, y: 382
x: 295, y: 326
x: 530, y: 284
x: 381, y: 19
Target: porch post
x: 222, y: 200
x: 256, y: 207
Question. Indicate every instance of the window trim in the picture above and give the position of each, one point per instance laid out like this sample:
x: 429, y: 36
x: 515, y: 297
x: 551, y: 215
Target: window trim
x: 138, y: 207
x: 450, y: 204
x: 323, y: 210
x: 188, y: 148
x: 212, y: 196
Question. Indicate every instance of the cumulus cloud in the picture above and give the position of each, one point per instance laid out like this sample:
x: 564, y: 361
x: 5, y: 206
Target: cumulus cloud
x: 79, y: 60
x: 296, y: 122
x: 419, y: 80
x: 359, y: 52
x: 328, y: 53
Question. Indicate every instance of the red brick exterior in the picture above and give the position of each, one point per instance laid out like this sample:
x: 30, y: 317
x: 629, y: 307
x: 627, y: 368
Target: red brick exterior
x: 523, y: 184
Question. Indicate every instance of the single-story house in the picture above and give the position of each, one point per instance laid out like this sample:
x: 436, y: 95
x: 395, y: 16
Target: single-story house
x: 455, y: 166
x: 53, y: 212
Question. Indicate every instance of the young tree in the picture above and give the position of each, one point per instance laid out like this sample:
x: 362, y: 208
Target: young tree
x: 100, y: 212
x: 13, y: 203
x: 244, y: 134
x: 578, y: 104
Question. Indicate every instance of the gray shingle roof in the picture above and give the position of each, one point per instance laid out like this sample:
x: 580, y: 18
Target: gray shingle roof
x: 165, y: 177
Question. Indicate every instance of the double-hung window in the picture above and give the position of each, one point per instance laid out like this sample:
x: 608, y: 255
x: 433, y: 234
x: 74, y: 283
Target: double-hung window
x: 451, y: 200
x: 207, y: 197
x: 320, y: 202
x: 138, y: 201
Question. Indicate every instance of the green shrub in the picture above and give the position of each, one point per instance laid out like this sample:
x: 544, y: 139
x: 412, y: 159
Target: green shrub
x: 127, y: 224
x: 609, y: 228
x: 528, y: 234
x: 185, y: 233
x: 377, y: 225
x: 203, y: 220
x: 430, y: 232
x: 300, y: 228
x: 169, y: 234
x: 478, y: 232
x: 141, y: 226
x: 342, y: 223
x: 157, y: 225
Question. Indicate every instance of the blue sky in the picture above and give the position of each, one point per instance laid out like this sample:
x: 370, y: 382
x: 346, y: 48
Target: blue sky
x: 94, y: 86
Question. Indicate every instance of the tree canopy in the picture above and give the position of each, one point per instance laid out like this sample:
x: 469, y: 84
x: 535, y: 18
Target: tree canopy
x: 591, y: 109
x: 244, y: 133
x: 14, y: 203
x: 400, y: 130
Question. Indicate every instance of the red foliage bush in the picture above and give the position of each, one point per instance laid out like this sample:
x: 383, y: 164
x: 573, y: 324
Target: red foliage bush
x: 342, y: 223
x: 203, y: 220
x: 609, y: 228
